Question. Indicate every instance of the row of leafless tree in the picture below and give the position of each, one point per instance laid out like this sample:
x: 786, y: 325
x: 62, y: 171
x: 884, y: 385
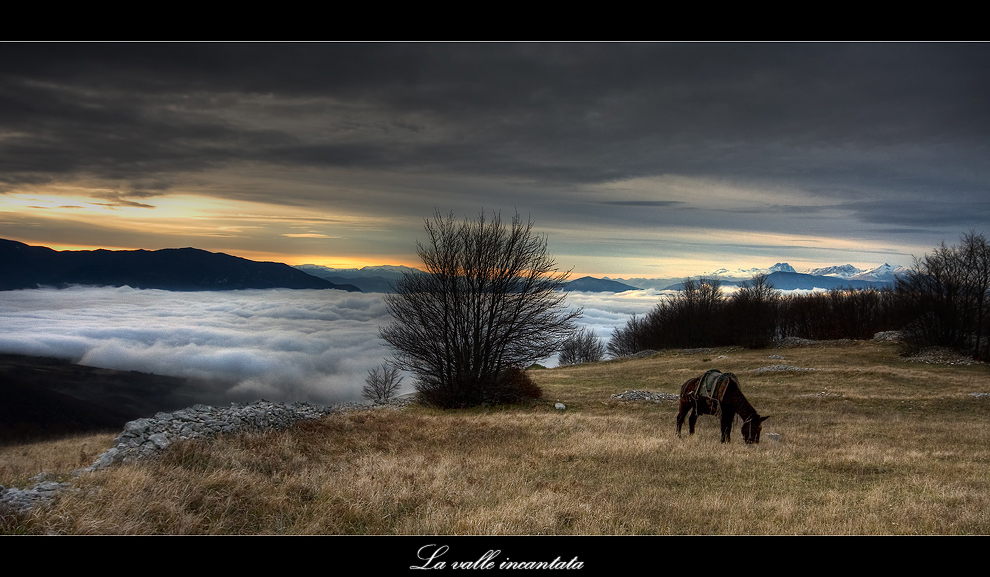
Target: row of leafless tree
x: 947, y: 296
x: 701, y: 316
x: 942, y: 301
x: 756, y: 316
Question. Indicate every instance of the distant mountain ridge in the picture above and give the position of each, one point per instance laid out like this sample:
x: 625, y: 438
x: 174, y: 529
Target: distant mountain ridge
x: 371, y: 279
x: 782, y: 275
x: 190, y: 269
x: 380, y: 278
x: 380, y: 271
x: 882, y: 273
x: 178, y: 269
x: 598, y: 285
x: 841, y: 271
x: 781, y: 280
x: 748, y: 273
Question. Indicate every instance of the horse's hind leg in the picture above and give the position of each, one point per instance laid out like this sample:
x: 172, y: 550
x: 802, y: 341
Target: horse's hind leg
x: 692, y: 419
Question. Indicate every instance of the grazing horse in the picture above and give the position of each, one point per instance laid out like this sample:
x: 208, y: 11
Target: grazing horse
x: 718, y: 393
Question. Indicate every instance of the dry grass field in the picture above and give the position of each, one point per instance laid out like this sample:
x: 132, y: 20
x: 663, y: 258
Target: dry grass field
x: 868, y: 444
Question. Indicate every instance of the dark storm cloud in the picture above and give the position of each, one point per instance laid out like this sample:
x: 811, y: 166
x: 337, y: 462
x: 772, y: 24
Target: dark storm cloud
x: 560, y: 112
x: 648, y: 203
x: 874, y: 131
x: 921, y: 213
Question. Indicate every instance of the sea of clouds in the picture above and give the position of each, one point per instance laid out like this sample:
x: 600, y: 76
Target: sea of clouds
x: 278, y: 344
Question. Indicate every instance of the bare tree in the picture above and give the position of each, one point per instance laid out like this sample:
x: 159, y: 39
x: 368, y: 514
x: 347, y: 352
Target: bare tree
x: 688, y: 318
x: 753, y: 313
x: 582, y: 347
x: 630, y: 339
x: 976, y: 255
x: 948, y: 293
x: 487, y: 301
x: 382, y: 383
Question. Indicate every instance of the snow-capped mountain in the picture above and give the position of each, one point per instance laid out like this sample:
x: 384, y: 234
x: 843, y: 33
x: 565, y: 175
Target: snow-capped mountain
x: 845, y: 271
x: 882, y: 273
x: 782, y: 276
x: 748, y: 273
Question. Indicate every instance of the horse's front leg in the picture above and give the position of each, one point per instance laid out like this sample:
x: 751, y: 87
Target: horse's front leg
x: 726, y: 427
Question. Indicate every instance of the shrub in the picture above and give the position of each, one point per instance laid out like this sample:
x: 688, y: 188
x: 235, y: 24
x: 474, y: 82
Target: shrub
x: 628, y: 340
x: 513, y: 386
x: 582, y: 347
x: 382, y: 383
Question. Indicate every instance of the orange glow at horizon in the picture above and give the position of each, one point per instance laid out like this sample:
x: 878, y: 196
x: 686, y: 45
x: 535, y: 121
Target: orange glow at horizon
x: 91, y: 218
x: 258, y: 256
x: 323, y: 260
x: 234, y: 227
x: 182, y: 214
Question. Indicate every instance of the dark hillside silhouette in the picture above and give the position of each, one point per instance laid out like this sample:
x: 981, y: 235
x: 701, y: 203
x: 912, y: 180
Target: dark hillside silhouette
x: 178, y: 269
x: 44, y: 397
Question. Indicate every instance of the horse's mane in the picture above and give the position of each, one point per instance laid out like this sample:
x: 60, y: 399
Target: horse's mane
x: 745, y: 409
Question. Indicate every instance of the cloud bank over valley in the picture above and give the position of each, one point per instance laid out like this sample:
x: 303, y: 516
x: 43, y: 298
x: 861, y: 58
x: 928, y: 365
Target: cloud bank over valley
x: 281, y: 345
x: 278, y: 344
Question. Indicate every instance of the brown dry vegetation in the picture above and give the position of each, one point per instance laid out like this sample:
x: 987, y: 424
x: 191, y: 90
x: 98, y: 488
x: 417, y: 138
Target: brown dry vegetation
x: 869, y: 444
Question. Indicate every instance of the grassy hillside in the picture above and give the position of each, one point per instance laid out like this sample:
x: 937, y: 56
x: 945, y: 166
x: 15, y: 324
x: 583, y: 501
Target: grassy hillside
x: 869, y: 444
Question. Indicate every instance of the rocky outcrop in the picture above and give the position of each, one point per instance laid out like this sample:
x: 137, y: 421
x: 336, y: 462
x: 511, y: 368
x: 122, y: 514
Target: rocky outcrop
x: 144, y: 438
x: 24, y: 499
x: 889, y: 336
x: 645, y: 396
x: 781, y: 368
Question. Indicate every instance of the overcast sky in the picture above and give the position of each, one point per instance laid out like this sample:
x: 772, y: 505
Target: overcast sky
x: 648, y: 160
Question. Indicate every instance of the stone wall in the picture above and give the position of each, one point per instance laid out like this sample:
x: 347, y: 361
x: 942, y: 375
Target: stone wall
x: 143, y: 438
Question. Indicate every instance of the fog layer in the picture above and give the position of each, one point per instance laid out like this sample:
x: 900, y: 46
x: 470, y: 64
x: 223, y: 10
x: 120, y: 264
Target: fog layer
x: 281, y: 345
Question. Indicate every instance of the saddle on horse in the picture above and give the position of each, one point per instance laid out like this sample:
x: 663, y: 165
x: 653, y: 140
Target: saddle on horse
x: 713, y: 384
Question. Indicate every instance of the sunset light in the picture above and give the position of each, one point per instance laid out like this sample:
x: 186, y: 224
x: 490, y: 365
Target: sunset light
x: 538, y: 257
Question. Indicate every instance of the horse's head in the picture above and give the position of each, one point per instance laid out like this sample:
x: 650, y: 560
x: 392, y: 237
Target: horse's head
x: 752, y: 427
